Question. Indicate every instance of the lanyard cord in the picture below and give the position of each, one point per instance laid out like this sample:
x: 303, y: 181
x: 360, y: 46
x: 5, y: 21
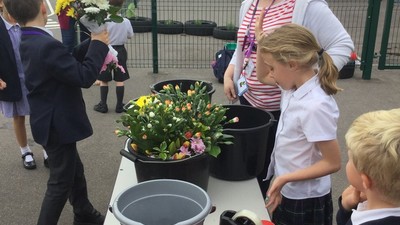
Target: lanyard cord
x: 247, y: 35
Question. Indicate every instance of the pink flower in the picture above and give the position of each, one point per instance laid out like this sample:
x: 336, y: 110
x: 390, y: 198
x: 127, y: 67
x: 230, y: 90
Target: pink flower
x: 197, y: 145
x: 184, y: 150
x: 112, y: 62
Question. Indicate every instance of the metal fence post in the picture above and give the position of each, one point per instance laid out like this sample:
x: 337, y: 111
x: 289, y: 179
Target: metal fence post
x: 371, y: 28
x: 154, y: 35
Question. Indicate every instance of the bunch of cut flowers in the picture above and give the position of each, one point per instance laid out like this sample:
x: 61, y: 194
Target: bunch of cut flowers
x: 174, y: 125
x: 94, y: 14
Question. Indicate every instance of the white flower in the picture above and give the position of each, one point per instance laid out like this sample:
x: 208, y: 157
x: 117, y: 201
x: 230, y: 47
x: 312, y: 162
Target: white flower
x: 151, y: 114
x: 149, y: 125
x: 91, y: 10
x: 103, y: 5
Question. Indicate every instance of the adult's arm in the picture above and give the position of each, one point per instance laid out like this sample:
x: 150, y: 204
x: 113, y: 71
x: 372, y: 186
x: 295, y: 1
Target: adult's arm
x: 329, y: 32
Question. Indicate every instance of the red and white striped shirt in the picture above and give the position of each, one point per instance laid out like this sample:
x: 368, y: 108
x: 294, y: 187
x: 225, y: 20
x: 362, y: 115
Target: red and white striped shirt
x: 260, y: 95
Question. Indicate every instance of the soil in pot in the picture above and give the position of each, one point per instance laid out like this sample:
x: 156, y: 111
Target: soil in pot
x: 169, y: 27
x: 199, y: 27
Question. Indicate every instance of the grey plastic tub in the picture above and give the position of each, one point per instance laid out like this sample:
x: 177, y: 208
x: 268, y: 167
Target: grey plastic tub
x: 162, y: 202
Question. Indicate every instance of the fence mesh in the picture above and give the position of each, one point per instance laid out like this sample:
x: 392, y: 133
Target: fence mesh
x: 188, y: 51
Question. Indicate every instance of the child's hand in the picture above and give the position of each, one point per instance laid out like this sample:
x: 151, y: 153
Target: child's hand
x: 351, y: 197
x: 2, y: 84
x: 274, y: 194
x: 102, y: 36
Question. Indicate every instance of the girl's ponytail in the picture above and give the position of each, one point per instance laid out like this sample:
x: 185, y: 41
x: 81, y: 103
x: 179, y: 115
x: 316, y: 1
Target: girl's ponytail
x: 328, y: 73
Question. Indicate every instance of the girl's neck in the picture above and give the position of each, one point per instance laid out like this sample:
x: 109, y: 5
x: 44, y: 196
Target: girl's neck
x: 304, y: 76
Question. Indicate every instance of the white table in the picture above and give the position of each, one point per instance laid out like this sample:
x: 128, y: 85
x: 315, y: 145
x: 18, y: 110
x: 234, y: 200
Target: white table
x: 224, y: 195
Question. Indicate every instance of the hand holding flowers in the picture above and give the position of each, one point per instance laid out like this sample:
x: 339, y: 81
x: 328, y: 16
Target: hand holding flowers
x: 175, y: 124
x: 93, y: 14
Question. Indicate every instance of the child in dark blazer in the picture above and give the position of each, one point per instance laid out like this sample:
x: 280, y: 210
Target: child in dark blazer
x: 58, y: 117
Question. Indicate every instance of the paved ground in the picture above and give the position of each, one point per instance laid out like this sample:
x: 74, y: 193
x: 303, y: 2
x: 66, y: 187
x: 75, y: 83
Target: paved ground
x: 22, y: 191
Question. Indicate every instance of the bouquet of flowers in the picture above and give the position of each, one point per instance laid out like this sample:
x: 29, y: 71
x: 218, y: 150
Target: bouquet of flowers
x: 93, y: 14
x: 175, y: 124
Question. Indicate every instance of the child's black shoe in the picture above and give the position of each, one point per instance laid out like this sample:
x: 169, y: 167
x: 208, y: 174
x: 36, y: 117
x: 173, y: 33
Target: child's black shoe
x: 94, y: 218
x: 119, y: 108
x: 101, y: 108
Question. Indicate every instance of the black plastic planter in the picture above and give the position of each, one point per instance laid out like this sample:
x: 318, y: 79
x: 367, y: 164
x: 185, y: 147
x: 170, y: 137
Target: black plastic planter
x: 170, y: 27
x: 244, y: 159
x: 199, y: 27
x: 194, y: 169
x: 140, y: 24
x: 184, y: 84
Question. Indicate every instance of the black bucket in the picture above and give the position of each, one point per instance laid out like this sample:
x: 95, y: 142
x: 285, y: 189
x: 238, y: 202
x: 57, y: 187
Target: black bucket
x: 245, y: 158
x: 184, y: 84
x: 194, y: 169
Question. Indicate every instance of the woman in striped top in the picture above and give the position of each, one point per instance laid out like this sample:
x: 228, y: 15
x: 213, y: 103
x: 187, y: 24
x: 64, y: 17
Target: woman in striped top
x: 313, y: 14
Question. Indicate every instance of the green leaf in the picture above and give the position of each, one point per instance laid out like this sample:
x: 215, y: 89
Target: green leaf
x: 116, y: 18
x: 215, y: 151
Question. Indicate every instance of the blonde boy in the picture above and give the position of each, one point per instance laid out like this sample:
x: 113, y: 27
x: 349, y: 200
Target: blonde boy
x: 373, y: 170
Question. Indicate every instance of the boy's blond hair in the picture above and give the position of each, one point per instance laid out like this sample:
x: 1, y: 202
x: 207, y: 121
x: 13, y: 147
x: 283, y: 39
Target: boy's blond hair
x: 373, y: 141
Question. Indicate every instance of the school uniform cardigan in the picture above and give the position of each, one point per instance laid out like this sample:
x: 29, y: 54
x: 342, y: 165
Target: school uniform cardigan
x: 8, y: 67
x: 317, y: 17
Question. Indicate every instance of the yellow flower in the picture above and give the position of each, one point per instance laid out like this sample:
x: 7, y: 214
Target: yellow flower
x: 71, y: 12
x: 143, y: 100
x: 61, y: 5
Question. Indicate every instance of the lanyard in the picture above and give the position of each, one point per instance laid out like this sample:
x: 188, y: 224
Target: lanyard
x: 251, y: 37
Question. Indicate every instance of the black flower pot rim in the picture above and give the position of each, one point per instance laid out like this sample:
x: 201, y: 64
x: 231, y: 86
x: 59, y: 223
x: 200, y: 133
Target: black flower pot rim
x: 135, y: 157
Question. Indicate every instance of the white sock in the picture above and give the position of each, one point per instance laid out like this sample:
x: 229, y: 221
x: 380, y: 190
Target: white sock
x: 24, y: 150
x: 45, y: 154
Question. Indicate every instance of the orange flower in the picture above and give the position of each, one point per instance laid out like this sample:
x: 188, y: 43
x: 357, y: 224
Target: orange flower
x: 134, y: 147
x: 179, y: 155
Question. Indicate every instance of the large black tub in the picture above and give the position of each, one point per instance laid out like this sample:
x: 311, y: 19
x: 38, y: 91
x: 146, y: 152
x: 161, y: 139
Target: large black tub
x: 184, y: 84
x: 244, y: 159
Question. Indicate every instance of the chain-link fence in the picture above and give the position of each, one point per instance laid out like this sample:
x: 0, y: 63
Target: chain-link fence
x: 189, y: 51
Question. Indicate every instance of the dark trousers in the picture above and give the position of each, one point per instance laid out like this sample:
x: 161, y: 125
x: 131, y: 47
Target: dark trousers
x: 66, y: 181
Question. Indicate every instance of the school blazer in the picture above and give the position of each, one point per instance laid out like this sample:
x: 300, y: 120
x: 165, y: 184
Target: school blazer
x: 8, y: 68
x: 54, y: 79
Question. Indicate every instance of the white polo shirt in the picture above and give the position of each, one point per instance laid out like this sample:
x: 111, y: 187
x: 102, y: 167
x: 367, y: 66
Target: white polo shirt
x: 308, y: 115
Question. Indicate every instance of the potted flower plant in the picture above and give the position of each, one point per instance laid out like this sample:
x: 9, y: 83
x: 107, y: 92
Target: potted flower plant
x: 175, y: 127
x: 348, y: 70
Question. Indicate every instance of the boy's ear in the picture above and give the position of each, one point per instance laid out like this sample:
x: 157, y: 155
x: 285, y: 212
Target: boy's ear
x: 43, y: 8
x: 366, y: 181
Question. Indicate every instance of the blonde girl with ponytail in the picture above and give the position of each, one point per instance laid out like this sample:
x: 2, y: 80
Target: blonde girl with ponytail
x: 306, y: 150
